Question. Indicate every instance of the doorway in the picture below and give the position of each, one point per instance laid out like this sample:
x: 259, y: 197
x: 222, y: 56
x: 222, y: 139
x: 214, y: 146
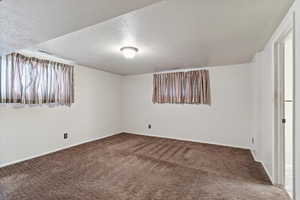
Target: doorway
x: 288, y: 113
x: 284, y: 111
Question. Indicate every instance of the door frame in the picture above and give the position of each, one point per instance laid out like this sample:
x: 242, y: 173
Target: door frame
x: 279, y: 128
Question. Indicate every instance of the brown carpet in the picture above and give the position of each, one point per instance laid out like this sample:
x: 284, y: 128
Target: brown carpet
x: 132, y: 167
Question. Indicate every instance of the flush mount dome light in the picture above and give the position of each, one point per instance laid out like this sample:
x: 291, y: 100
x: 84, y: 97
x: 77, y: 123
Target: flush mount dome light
x: 129, y: 52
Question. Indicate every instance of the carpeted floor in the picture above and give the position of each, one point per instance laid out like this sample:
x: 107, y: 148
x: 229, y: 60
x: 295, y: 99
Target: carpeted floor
x: 132, y: 167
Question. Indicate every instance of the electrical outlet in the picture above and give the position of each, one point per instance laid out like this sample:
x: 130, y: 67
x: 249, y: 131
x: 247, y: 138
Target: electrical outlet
x: 149, y: 126
x: 65, y: 135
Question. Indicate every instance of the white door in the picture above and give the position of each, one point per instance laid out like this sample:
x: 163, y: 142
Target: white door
x: 288, y: 113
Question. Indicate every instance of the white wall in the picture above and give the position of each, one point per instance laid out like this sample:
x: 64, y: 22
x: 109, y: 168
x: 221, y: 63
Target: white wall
x: 239, y: 110
x: 264, y: 94
x: 264, y: 110
x: 27, y: 132
x: 227, y: 121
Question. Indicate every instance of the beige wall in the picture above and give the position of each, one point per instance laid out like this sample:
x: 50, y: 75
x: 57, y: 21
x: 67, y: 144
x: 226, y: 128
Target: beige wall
x: 228, y: 121
x: 263, y: 94
x: 264, y: 67
x: 27, y: 132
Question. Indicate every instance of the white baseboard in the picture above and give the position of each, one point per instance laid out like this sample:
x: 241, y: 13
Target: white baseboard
x: 101, y: 137
x: 213, y: 143
x: 190, y: 140
x: 262, y: 163
x: 55, y: 150
x: 254, y: 156
x: 268, y: 173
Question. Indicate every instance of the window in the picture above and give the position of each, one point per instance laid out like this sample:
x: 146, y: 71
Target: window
x: 190, y: 87
x: 28, y: 80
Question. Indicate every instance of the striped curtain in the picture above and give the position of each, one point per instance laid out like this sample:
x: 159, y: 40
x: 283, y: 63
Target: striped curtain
x: 192, y: 87
x: 27, y: 80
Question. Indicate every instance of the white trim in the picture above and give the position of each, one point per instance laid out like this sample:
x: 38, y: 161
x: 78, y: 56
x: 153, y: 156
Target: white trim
x: 254, y: 157
x: 213, y: 143
x: 267, y: 172
x: 262, y: 163
x: 56, y: 150
x: 189, y: 140
x: 279, y: 109
x: 287, y: 21
x: 151, y: 135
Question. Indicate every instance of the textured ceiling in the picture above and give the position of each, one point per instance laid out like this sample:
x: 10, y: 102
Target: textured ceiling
x: 175, y: 34
x: 24, y: 23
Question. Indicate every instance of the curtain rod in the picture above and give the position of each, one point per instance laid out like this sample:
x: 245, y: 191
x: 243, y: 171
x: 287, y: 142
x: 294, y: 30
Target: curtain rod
x: 181, y: 70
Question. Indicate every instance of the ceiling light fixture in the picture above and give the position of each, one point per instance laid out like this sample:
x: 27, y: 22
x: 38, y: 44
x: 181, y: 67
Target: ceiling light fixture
x: 129, y: 52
